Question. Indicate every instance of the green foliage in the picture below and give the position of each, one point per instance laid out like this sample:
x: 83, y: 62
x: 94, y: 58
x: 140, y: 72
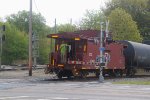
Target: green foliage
x: 66, y: 28
x: 92, y: 20
x: 123, y: 27
x: 15, y: 45
x: 44, y: 51
x: 44, y: 47
x: 138, y: 9
x: 131, y: 6
x: 21, y: 19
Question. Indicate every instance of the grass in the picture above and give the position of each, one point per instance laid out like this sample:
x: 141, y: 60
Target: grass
x: 133, y: 82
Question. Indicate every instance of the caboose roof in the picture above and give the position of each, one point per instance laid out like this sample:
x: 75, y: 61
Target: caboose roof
x: 82, y: 34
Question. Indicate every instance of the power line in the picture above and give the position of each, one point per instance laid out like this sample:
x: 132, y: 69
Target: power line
x: 36, y: 6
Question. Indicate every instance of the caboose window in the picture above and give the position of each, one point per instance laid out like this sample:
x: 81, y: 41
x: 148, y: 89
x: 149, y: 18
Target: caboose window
x: 77, y: 39
x: 125, y: 46
x: 84, y: 48
x: 57, y: 47
x: 54, y: 36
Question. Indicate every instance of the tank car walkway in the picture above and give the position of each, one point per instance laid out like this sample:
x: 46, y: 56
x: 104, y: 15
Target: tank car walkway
x: 21, y: 89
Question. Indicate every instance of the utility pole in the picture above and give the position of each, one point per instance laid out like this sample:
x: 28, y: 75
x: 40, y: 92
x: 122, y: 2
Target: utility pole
x: 71, y: 21
x: 1, y: 44
x: 101, y: 78
x: 30, y: 39
x: 55, y: 26
x: 35, y: 48
x: 53, y: 42
x: 0, y: 49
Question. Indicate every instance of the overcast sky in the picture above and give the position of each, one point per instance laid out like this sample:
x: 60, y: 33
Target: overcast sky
x: 62, y: 10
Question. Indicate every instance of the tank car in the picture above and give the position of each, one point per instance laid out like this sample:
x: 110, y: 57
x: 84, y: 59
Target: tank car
x: 137, y: 56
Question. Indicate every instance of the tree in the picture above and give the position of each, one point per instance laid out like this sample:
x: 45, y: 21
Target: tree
x: 21, y: 19
x: 44, y: 45
x: 92, y: 20
x: 15, y: 46
x: 138, y: 9
x: 66, y: 28
x: 123, y: 27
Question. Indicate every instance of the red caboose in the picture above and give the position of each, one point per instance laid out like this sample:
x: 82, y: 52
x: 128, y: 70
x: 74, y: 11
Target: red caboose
x: 77, y: 53
x: 116, y: 59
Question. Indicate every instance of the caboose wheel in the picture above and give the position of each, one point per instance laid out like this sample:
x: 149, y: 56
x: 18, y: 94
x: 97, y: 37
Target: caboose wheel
x: 130, y: 72
x: 97, y: 74
x: 121, y: 73
x: 118, y: 73
x: 69, y: 77
x: 83, y: 75
x: 59, y: 76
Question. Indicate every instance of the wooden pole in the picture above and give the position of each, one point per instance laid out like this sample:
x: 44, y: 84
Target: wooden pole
x: 30, y: 39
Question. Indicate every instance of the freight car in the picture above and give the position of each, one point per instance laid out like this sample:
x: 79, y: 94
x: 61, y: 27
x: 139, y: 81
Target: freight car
x: 137, y: 56
x: 77, y: 54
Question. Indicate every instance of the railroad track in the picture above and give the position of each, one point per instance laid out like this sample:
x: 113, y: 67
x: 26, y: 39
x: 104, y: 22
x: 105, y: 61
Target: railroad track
x: 107, y: 79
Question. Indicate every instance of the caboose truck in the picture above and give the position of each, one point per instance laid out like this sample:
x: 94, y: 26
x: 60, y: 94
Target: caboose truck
x: 76, y: 52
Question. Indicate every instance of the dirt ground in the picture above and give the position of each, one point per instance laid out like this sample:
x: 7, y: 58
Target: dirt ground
x: 19, y: 74
x: 38, y: 74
